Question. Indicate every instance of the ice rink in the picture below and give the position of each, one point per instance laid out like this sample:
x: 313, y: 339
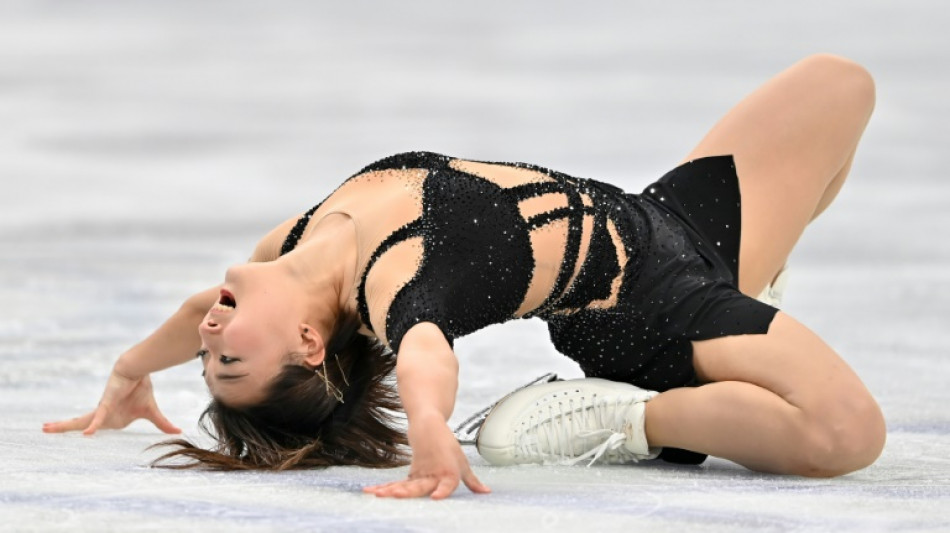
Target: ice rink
x: 146, y: 146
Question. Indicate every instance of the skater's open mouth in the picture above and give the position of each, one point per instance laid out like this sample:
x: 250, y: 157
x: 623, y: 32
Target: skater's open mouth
x: 227, y: 299
x: 225, y: 304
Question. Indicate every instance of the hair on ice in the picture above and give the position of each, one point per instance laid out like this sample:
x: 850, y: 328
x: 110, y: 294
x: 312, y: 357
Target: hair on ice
x: 300, y: 425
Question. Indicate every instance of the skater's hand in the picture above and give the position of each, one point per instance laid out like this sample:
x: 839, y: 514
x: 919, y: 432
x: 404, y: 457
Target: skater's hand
x: 124, y: 400
x: 438, y: 464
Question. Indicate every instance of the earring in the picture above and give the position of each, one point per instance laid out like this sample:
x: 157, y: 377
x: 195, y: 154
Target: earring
x: 331, y: 388
x: 342, y: 373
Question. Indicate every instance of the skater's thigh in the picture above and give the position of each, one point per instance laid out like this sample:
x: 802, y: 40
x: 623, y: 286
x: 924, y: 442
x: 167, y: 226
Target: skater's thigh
x: 789, y: 139
x: 790, y: 361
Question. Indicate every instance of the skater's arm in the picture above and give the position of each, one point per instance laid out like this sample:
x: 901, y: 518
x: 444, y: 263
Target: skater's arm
x: 177, y: 341
x: 173, y: 343
x: 427, y: 374
x: 427, y: 377
x: 128, y: 393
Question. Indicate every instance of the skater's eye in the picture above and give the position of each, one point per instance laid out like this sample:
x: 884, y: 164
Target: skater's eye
x: 201, y: 353
x: 225, y: 360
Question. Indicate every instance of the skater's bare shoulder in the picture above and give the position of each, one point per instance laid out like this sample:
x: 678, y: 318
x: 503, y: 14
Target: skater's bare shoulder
x: 269, y: 247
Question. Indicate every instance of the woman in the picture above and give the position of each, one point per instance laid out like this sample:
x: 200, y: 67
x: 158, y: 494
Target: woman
x: 647, y: 289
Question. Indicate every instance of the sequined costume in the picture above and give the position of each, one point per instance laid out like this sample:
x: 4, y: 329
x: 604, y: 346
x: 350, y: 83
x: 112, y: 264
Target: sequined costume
x: 628, y: 314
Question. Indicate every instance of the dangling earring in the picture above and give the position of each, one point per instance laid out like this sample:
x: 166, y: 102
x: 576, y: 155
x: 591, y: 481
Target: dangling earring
x: 342, y: 373
x: 331, y: 388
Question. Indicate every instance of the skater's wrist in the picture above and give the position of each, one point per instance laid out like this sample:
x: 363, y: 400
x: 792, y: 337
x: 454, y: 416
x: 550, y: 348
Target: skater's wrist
x: 127, y: 369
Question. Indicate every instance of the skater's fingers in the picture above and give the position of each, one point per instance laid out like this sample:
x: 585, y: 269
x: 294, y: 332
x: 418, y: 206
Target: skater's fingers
x: 416, y: 488
x: 445, y: 488
x: 73, y: 424
x: 381, y: 486
x: 385, y: 491
x: 411, y: 488
x: 473, y: 483
x: 156, y: 417
x: 97, y: 421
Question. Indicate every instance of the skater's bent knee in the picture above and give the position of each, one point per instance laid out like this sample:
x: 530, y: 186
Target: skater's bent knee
x: 838, y: 64
x: 847, y: 440
x: 852, y: 80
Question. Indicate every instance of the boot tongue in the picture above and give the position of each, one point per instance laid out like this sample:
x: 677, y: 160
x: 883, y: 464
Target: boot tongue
x: 636, y: 441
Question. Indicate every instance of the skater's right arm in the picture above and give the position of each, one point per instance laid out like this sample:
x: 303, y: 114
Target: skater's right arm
x: 173, y: 343
x: 128, y: 393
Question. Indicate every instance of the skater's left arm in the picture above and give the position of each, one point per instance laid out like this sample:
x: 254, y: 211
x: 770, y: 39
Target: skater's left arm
x: 427, y: 377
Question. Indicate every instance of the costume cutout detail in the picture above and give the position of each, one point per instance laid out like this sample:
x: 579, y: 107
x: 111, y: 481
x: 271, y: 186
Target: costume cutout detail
x: 660, y: 268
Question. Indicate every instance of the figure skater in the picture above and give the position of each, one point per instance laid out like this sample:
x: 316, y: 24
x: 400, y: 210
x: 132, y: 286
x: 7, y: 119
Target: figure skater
x: 652, y: 293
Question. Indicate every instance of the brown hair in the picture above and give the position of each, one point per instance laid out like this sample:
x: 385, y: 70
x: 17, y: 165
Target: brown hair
x: 300, y: 424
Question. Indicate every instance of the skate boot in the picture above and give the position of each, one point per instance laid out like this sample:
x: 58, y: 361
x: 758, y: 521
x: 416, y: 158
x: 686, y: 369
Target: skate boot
x: 568, y: 422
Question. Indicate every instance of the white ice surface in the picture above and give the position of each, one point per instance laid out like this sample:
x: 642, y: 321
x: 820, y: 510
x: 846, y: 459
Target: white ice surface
x: 145, y: 146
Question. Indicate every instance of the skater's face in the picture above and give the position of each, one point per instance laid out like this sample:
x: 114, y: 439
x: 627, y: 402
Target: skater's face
x: 250, y: 333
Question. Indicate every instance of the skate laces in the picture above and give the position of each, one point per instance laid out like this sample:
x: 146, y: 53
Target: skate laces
x: 574, y: 430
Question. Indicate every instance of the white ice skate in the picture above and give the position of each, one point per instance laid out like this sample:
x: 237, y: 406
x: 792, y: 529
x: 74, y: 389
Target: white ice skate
x: 567, y: 422
x: 773, y: 292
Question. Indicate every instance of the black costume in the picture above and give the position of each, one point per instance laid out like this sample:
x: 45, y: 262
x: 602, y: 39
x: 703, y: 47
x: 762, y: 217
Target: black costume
x: 679, y: 283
